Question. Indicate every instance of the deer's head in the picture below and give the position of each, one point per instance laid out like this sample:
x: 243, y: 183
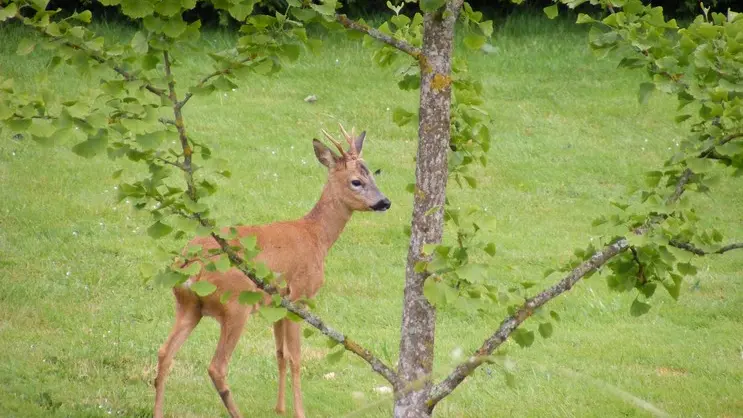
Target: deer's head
x: 349, y: 180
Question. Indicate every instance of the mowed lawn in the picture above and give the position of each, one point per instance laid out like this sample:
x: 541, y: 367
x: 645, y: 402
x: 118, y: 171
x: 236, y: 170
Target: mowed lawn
x: 79, y: 331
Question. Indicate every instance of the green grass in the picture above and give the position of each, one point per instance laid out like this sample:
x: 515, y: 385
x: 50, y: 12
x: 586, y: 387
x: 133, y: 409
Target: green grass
x: 79, y: 332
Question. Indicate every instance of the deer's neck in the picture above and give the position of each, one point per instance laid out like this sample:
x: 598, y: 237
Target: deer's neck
x: 328, y: 218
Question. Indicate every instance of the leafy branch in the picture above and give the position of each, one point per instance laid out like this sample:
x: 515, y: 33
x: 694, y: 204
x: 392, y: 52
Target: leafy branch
x: 208, y: 77
x: 400, y: 44
x: 529, y: 307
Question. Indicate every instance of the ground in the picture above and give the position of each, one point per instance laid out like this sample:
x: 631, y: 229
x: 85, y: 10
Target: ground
x: 79, y: 331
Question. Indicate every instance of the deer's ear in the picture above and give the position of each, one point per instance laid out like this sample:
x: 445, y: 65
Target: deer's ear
x: 358, y: 142
x: 324, y: 154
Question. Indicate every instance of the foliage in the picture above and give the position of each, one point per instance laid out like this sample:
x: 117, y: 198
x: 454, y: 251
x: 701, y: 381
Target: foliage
x: 700, y: 64
x: 136, y: 113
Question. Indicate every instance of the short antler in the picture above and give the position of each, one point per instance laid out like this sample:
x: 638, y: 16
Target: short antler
x: 350, y: 139
x: 336, y: 143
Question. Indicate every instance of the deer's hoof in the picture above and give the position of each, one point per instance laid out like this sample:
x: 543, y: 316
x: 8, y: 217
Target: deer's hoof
x: 280, y: 410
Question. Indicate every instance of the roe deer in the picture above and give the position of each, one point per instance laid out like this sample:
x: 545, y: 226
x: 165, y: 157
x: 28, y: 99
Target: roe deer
x: 295, y: 249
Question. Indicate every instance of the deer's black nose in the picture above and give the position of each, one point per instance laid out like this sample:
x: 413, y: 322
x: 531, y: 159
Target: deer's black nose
x: 382, y: 205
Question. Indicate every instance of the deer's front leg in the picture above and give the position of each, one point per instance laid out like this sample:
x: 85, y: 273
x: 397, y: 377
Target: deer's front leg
x: 292, y: 344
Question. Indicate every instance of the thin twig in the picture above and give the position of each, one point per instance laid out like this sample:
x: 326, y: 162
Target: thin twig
x: 640, y: 267
x: 700, y: 252
x: 401, y: 45
x: 208, y: 77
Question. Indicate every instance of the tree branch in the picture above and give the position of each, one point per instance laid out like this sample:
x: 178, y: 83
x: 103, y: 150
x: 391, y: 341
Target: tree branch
x: 124, y: 73
x: 700, y: 252
x: 509, y: 325
x: 376, y: 364
x: 401, y: 45
x: 680, y: 186
x: 187, y: 150
x: 512, y: 322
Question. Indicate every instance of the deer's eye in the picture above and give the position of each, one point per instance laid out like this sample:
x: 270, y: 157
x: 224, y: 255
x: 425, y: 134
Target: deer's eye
x: 355, y: 183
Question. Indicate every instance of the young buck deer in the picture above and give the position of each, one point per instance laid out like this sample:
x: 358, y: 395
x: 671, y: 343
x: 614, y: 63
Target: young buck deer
x: 295, y: 249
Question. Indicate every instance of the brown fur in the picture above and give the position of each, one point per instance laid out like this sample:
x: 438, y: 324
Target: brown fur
x: 295, y: 249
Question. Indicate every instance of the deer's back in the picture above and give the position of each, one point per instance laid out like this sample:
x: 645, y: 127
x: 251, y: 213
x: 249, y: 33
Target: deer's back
x: 288, y: 248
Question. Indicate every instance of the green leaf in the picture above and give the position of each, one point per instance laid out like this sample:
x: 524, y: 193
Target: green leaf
x: 490, y: 249
x: 675, y: 289
x: 639, y: 308
x: 434, y: 293
x: 242, y: 10
x: 139, y: 43
x: 223, y: 263
x: 652, y: 178
x: 644, y: 92
x: 474, y: 41
x: 93, y: 145
x: 551, y: 11
x: 203, y: 288
x: 555, y: 316
x: 401, y: 116
x: 159, y: 230
x: 168, y: 7
x: 136, y: 8
x: 523, y: 337
x: 26, y: 46
x: 431, y: 5
x: 545, y: 329
x: 471, y: 181
x: 272, y: 313
x: 249, y: 242
x: 327, y: 8
x: 686, y: 269
x: 41, y: 128
x: 192, y: 270
x: 151, y: 141
x: 250, y: 298
x: 473, y: 272
x: 8, y: 12
x: 85, y: 16
x: 335, y: 356
x: 170, y: 278
x: 308, y: 332
x: 584, y: 18
x: 174, y: 26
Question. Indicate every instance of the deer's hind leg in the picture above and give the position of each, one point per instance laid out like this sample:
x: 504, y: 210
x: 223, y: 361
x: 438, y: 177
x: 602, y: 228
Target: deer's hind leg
x: 278, y: 333
x: 292, y: 343
x: 187, y: 316
x: 232, y: 325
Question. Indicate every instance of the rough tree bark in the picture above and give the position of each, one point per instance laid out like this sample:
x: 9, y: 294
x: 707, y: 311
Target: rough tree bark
x: 419, y: 316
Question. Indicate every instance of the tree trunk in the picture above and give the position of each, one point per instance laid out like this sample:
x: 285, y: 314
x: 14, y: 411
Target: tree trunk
x: 419, y: 316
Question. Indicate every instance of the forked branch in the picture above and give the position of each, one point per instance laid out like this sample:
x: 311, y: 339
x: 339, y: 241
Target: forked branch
x: 209, y: 76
